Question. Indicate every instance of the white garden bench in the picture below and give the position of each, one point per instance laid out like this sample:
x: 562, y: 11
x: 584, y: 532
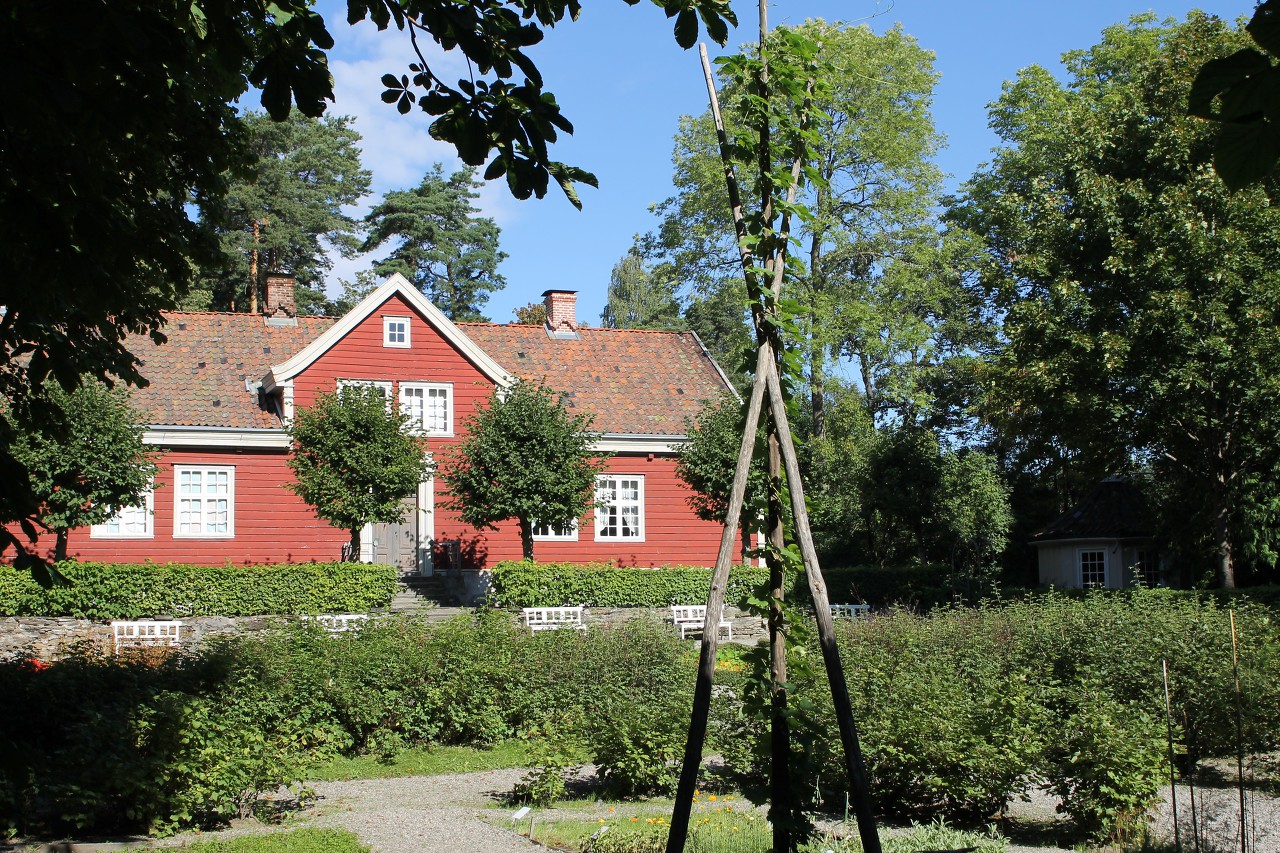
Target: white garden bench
x: 339, y: 623
x: 553, y: 618
x: 850, y: 611
x: 145, y: 632
x: 691, y: 617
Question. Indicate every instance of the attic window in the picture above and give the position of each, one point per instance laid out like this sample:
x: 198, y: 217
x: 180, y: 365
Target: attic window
x: 395, y: 332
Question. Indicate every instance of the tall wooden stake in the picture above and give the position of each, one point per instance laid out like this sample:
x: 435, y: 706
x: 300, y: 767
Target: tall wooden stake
x: 1173, y: 788
x: 1235, y: 669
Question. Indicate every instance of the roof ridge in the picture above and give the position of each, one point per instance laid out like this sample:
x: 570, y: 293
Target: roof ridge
x: 239, y: 314
x: 474, y: 324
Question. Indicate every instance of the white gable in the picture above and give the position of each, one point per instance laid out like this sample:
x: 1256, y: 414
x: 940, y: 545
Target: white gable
x: 282, y: 374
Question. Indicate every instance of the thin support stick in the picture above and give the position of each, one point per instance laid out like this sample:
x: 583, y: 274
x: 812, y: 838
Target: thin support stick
x: 854, y: 766
x: 683, y: 808
x: 1173, y: 788
x: 1235, y: 669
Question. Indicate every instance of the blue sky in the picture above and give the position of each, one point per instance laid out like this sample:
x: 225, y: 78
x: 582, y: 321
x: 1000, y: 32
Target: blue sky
x: 623, y: 82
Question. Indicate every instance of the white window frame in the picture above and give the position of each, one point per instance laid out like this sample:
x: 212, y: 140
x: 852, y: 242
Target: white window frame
x: 426, y: 388
x: 383, y: 385
x: 1080, y: 554
x: 179, y: 496
x: 148, y: 508
x: 388, y: 330
x: 567, y: 534
x: 604, y: 505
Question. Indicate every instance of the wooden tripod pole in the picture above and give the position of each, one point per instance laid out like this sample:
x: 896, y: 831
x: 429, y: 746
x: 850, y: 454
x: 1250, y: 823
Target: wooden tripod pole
x: 711, y: 627
x: 854, y: 765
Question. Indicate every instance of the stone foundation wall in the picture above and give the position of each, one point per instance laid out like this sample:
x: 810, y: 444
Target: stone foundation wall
x: 48, y: 638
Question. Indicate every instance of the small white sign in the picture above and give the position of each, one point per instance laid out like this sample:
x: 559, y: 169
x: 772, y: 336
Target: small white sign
x: 524, y: 811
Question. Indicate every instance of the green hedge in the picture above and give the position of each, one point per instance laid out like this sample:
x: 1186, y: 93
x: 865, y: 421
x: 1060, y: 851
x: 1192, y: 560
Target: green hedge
x: 529, y: 584
x: 132, y: 590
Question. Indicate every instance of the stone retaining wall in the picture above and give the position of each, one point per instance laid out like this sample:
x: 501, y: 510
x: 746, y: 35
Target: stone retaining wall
x: 48, y: 638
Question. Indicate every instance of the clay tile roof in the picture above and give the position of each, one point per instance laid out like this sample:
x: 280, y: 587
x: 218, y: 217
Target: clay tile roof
x: 1116, y: 509
x: 634, y: 382
x: 199, y: 377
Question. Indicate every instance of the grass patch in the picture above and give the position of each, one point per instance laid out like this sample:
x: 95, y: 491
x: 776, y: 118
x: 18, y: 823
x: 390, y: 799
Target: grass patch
x: 296, y: 841
x: 726, y: 826
x: 438, y: 761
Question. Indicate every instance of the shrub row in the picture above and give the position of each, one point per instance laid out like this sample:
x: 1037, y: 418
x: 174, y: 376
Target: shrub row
x: 128, y: 591
x: 190, y: 740
x: 530, y: 584
x: 960, y: 708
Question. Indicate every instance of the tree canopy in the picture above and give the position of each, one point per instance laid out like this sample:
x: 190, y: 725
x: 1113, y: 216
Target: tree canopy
x: 91, y: 466
x: 638, y: 299
x: 354, y: 459
x: 1139, y: 294
x: 285, y: 208
x: 524, y: 458
x: 874, y: 282
x: 442, y: 245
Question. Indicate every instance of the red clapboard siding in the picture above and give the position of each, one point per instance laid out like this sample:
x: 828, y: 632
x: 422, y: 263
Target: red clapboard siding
x: 272, y: 524
x: 673, y: 535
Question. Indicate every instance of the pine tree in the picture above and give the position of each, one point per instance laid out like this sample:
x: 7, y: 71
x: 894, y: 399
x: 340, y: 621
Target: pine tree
x: 444, y: 248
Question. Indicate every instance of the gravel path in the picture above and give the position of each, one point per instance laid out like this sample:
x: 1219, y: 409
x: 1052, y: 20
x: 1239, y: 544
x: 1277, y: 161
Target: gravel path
x: 444, y: 813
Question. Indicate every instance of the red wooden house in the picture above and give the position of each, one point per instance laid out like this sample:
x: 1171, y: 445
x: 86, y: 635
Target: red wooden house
x: 225, y: 385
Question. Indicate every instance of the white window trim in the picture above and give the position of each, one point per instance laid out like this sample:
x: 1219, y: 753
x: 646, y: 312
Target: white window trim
x: 569, y: 535
x: 447, y: 387
x: 100, y: 531
x: 386, y: 333
x: 600, y: 510
x: 1106, y: 566
x: 231, y: 502
x: 383, y: 384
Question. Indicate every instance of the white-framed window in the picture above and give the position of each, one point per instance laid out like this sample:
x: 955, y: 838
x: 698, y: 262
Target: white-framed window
x: 543, y: 532
x: 620, y: 507
x: 382, y: 385
x: 428, y: 406
x: 204, y: 501
x: 129, y: 522
x: 395, y: 332
x: 1093, y: 568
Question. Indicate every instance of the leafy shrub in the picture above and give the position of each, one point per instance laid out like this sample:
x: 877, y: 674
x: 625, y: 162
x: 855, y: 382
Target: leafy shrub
x: 1106, y: 765
x: 917, y: 587
x: 530, y: 584
x: 129, y: 591
x: 122, y: 745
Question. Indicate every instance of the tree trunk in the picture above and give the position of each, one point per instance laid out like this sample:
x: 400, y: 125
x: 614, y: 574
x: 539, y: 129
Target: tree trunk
x: 1222, y: 538
x: 60, y: 546
x: 817, y: 350
x: 526, y: 538
x: 782, y: 810
x: 354, y: 556
x: 253, y: 269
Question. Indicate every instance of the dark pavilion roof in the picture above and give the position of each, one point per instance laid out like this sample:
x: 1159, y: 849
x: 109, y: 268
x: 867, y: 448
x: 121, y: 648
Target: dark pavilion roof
x: 1116, y: 509
x: 633, y: 382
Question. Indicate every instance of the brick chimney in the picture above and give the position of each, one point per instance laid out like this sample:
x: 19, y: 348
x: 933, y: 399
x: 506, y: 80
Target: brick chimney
x: 562, y: 311
x: 281, y: 301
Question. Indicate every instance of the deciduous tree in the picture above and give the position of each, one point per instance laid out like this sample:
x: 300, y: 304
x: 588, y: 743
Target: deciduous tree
x: 91, y: 465
x: 441, y: 244
x: 1139, y: 294
x: 354, y: 459
x: 638, y: 299
x: 524, y: 458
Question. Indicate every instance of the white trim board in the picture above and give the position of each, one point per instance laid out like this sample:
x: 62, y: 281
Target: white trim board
x: 395, y: 285
x: 186, y: 436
